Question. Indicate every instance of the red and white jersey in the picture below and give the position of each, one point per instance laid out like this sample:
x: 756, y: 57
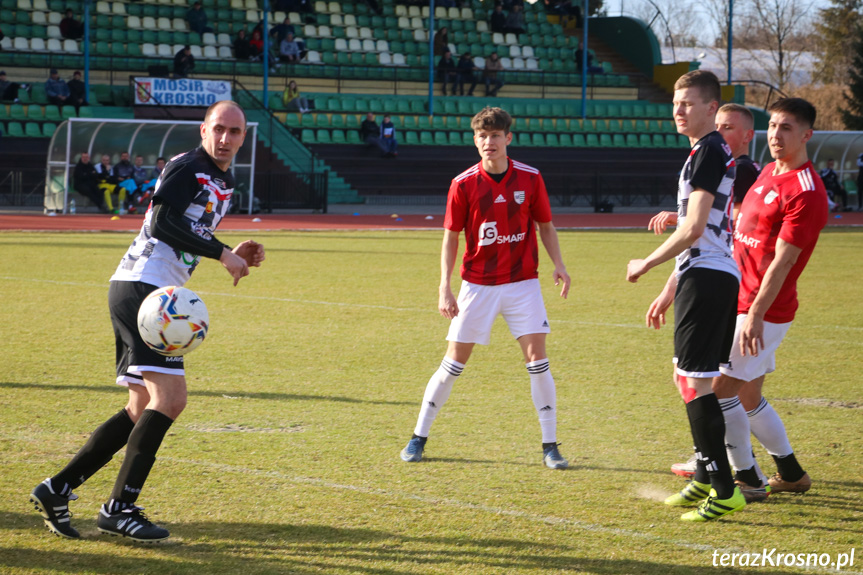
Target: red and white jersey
x: 791, y: 206
x: 498, y: 220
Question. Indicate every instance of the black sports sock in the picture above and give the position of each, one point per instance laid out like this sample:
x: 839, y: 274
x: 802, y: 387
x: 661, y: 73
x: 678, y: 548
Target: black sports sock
x: 708, y: 431
x: 105, y: 441
x: 144, y: 442
x: 749, y: 477
x: 788, y: 467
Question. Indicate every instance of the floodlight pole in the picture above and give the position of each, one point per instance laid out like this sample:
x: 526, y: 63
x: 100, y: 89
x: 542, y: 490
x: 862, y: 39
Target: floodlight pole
x: 266, y: 33
x: 730, y: 36
x: 584, y: 64
x: 431, y: 57
x: 87, y: 49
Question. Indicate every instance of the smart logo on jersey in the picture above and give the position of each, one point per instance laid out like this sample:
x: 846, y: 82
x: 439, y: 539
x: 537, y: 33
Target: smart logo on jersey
x: 518, y: 196
x: 487, y: 233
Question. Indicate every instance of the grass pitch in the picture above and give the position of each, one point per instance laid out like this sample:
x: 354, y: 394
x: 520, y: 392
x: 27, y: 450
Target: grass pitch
x: 286, y: 459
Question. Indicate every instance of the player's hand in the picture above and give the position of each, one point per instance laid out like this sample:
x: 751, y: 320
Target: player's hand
x: 561, y: 275
x: 752, y: 335
x: 252, y: 252
x: 447, y: 304
x: 655, y: 316
x: 235, y: 264
x: 661, y: 221
x: 634, y: 270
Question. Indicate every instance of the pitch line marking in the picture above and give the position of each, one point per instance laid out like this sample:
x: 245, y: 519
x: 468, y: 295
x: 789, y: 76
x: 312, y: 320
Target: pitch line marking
x: 388, y: 308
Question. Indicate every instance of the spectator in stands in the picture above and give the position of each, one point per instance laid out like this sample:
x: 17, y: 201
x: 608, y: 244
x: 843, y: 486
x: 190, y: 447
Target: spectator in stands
x: 289, y: 50
x: 280, y: 31
x: 85, y: 180
x: 184, y: 62
x: 515, y: 21
x: 566, y: 10
x: 497, y: 20
x: 242, y: 48
x: 441, y: 41
x: 389, y: 145
x: 70, y: 28
x: 466, y: 74
x: 157, y: 170
x: 137, y: 196
x: 147, y: 186
x: 123, y: 173
x: 109, y: 187
x: 579, y: 60
x: 370, y: 133
x: 56, y: 89
x: 197, y: 19
x: 373, y: 6
x: 9, y: 90
x: 447, y: 71
x: 292, y: 99
x: 77, y: 91
x: 256, y: 45
x: 493, y: 66
x: 838, y: 194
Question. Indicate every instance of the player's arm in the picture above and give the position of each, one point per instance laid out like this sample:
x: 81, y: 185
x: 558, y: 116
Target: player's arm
x: 548, y: 235
x: 447, y: 304
x: 752, y: 333
x: 661, y: 221
x: 655, y: 316
x: 698, y: 210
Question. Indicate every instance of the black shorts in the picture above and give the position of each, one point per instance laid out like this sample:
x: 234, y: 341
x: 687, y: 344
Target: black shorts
x: 705, y: 311
x: 133, y: 355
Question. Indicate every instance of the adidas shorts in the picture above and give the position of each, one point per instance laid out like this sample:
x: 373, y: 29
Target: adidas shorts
x: 133, y: 355
x: 704, y: 308
x: 748, y: 367
x: 519, y: 303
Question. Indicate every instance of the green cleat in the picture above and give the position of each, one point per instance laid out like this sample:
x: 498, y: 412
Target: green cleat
x: 693, y: 493
x: 714, y: 508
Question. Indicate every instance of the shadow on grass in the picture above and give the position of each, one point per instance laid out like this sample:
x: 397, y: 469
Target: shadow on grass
x: 252, y: 549
x: 109, y: 388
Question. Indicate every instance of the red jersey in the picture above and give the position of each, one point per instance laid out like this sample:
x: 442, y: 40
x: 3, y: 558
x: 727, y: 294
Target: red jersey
x: 498, y: 220
x: 791, y: 206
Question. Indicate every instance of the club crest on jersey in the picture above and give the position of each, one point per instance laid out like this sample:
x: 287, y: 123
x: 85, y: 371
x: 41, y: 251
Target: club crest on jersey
x: 209, y: 207
x: 518, y: 196
x: 771, y: 195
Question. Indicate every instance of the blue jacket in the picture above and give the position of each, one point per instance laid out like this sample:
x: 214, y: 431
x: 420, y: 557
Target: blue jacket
x: 56, y: 87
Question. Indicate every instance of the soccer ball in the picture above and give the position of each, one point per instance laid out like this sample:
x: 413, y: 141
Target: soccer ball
x: 173, y: 320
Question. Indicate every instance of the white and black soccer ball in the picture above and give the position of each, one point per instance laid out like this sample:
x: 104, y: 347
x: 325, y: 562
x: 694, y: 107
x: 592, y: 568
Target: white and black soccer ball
x: 173, y: 320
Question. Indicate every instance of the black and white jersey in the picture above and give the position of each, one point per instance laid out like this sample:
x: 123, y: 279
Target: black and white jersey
x: 710, y: 167
x: 746, y: 173
x: 192, y: 184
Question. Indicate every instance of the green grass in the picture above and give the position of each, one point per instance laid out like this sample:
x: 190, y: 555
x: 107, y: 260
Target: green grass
x: 286, y: 458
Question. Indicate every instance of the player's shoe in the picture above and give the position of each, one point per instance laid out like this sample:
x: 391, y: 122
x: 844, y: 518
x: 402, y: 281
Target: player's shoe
x: 753, y: 494
x: 553, y: 459
x: 54, y: 508
x: 713, y: 507
x: 131, y: 523
x: 692, y: 494
x: 413, y: 451
x: 777, y: 484
x: 685, y: 469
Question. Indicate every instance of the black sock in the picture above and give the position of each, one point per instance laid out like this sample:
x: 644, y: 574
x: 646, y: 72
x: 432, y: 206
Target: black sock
x: 708, y: 432
x: 547, y: 445
x: 105, y: 441
x: 749, y: 477
x: 788, y: 468
x: 144, y: 442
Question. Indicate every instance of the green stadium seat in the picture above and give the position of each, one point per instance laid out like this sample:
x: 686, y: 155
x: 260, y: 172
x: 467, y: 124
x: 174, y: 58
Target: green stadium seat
x: 438, y: 123
x: 627, y: 111
x: 441, y: 139
x: 14, y: 130
x: 523, y: 139
x: 352, y: 137
x: 52, y: 113
x: 425, y: 123
x: 658, y: 141
x: 17, y: 112
x: 552, y: 140
x: 539, y: 140
x: 615, y: 126
x: 641, y: 126
x: 618, y: 141
x: 409, y: 123
x: 48, y: 129
x: 457, y: 138
x: 323, y: 137
x: 337, y: 121
x: 426, y: 138
x: 591, y: 140
x: 450, y: 107
x: 605, y: 141
x: 578, y: 141
x: 632, y: 141
x: 411, y: 138
x: 308, y: 137
x: 32, y: 130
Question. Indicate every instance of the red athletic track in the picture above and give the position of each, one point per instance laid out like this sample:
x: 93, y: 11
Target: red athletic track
x: 87, y: 222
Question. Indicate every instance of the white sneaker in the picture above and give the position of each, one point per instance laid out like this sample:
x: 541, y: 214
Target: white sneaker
x: 685, y: 469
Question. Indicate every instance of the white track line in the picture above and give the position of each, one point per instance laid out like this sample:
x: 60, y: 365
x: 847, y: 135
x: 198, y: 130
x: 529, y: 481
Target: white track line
x: 455, y: 503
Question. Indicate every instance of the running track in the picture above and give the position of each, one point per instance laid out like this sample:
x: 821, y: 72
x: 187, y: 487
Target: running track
x: 273, y: 222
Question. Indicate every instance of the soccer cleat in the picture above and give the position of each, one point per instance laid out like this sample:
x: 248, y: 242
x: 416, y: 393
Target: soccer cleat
x: 777, y: 484
x: 55, y: 509
x: 131, y: 523
x: 753, y: 494
x: 689, y: 495
x: 713, y: 507
x: 685, y: 469
x: 553, y: 459
x: 413, y: 451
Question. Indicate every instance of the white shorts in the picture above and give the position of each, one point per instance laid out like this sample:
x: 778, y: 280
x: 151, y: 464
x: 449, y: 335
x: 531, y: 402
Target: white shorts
x: 519, y: 303
x: 749, y: 367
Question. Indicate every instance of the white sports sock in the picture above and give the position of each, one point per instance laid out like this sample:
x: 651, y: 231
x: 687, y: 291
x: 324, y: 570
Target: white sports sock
x: 738, y: 446
x: 543, y: 392
x: 769, y: 430
x: 437, y: 392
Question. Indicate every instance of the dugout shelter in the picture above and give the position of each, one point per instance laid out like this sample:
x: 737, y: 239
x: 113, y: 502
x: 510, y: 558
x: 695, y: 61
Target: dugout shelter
x: 149, y: 138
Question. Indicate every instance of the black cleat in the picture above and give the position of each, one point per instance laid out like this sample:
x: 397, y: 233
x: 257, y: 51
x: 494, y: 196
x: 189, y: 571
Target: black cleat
x: 55, y: 509
x: 131, y: 523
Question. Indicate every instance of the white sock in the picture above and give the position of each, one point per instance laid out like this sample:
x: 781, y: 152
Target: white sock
x: 544, y: 398
x: 738, y: 446
x: 769, y: 429
x: 437, y: 392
